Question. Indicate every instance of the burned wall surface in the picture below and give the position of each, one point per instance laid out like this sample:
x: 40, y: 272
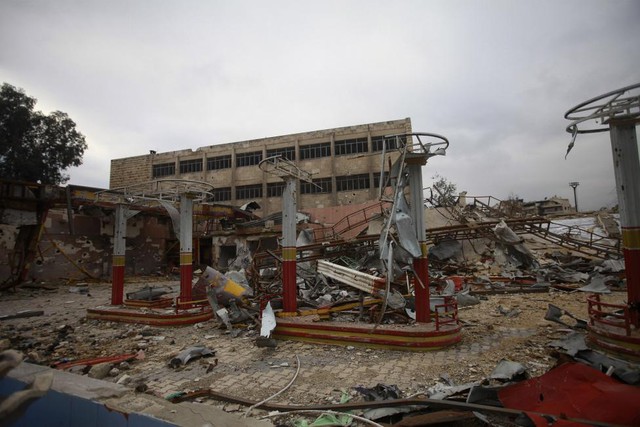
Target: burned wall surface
x: 83, y: 249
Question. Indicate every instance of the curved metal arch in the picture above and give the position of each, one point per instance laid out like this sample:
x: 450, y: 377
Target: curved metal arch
x: 615, y: 106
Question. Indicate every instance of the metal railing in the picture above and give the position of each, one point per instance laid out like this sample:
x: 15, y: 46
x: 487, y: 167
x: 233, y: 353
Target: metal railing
x: 618, y: 317
x: 447, y: 313
x: 349, y: 222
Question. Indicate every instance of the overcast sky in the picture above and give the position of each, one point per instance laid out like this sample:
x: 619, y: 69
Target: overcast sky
x: 494, y: 77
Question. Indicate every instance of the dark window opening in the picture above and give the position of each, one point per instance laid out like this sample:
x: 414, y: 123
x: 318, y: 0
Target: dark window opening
x: 249, y: 191
x: 351, y: 146
x: 164, y: 169
x: 275, y: 189
x: 219, y: 162
x: 315, y: 150
x: 248, y: 159
x: 353, y: 182
x: 221, y: 194
x: 389, y: 143
x: 323, y: 183
x: 188, y: 166
x: 288, y: 153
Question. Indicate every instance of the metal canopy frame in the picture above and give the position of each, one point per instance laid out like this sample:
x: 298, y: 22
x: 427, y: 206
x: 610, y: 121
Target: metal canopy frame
x: 161, y: 189
x: 284, y: 168
x: 619, y: 104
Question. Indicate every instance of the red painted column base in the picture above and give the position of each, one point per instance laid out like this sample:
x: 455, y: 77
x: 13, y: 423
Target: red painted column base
x: 186, y: 279
x: 117, y: 284
x: 421, y: 266
x: 289, y: 286
x: 632, y: 271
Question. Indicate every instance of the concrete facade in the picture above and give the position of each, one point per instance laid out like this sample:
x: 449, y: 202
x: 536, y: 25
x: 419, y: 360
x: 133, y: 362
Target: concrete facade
x: 548, y: 207
x: 344, y: 162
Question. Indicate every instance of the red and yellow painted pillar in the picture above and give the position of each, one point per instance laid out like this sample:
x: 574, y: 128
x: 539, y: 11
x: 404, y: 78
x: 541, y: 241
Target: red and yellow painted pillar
x: 626, y: 165
x: 420, y: 264
x: 421, y: 285
x: 289, y: 285
x: 290, y: 291
x: 631, y: 244
x: 186, y: 246
x: 117, y: 260
x: 117, y: 279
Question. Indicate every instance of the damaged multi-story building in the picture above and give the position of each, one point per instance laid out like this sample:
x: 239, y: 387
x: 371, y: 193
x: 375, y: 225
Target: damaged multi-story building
x: 70, y: 229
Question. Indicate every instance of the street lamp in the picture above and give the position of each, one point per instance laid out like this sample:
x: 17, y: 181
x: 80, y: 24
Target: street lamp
x: 574, y: 185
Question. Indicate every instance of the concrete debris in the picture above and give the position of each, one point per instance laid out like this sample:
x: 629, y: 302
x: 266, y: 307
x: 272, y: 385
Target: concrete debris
x: 9, y: 359
x: 100, y: 370
x: 513, y: 312
x: 13, y: 405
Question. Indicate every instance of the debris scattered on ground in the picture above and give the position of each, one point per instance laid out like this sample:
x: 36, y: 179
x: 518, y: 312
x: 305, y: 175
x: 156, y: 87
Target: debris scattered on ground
x: 189, y: 354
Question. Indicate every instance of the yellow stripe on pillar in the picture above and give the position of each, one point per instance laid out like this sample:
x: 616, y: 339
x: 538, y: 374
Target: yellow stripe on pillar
x: 117, y: 260
x: 423, y: 249
x: 631, y: 238
x: 288, y: 254
x: 186, y: 258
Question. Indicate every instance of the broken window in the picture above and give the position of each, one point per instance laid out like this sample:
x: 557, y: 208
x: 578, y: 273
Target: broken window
x: 376, y: 179
x: 288, y: 153
x: 309, y: 188
x: 352, y: 182
x: 352, y: 146
x: 249, y: 191
x: 313, y: 151
x: 248, y: 159
x: 219, y: 162
x: 221, y: 194
x: 164, y: 169
x: 275, y: 189
x: 187, y: 166
x: 377, y: 142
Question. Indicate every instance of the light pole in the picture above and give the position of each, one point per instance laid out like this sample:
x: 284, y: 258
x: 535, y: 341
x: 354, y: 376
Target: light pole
x: 574, y: 185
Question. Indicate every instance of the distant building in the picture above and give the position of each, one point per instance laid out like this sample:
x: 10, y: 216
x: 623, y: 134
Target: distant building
x: 548, y: 207
x: 344, y: 162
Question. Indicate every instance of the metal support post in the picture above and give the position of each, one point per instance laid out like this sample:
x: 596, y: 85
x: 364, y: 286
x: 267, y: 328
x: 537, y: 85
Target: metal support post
x: 186, y: 242
x: 421, y: 264
x: 289, y: 287
x: 119, y: 248
x: 626, y: 164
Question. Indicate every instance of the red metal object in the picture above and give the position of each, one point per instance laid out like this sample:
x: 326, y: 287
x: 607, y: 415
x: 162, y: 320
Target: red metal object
x: 289, y: 291
x: 632, y: 270
x: 448, y: 314
x: 117, y: 279
x: 186, y: 275
x: 421, y: 287
x: 598, y: 315
x: 574, y: 390
x: 98, y: 360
